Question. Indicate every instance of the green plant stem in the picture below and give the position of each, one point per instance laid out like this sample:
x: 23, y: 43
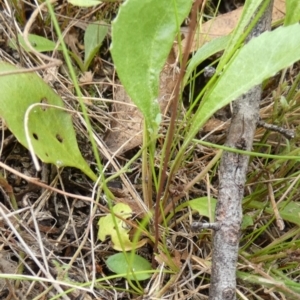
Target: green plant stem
x: 201, y: 175
x: 79, y: 94
x: 146, y: 173
x: 250, y: 153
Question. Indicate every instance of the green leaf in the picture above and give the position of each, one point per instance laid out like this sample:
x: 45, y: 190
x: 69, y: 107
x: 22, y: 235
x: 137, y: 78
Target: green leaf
x: 107, y: 226
x: 205, y: 52
x: 120, y: 235
x: 118, y: 263
x: 290, y: 212
x: 142, y: 37
x: 201, y: 205
x: 249, y: 10
x: 258, y: 60
x: 93, y: 38
x: 85, y: 3
x: 247, y: 221
x: 292, y: 12
x: 39, y: 43
x: 50, y: 129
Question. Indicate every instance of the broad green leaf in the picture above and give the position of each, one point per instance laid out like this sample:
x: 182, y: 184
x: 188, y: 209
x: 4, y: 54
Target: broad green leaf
x: 118, y: 263
x: 205, y: 52
x: 93, y: 38
x: 201, y: 205
x: 119, y: 236
x: 290, y: 212
x: 39, y: 43
x: 85, y: 3
x: 51, y: 129
x: 142, y: 37
x: 292, y: 12
x: 258, y: 60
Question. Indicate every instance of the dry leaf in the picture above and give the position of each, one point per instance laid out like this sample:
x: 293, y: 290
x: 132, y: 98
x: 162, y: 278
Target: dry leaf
x: 50, y: 75
x: 7, y: 266
x: 224, y: 24
x: 87, y: 77
x: 174, y: 262
x: 215, y: 125
x: 71, y: 39
x: 127, y: 126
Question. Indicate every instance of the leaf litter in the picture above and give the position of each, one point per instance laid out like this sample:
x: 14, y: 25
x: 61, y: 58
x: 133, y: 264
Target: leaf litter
x: 64, y: 221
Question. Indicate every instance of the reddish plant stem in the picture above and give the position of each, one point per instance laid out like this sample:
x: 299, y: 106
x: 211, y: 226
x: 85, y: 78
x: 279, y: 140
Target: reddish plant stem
x: 174, y: 108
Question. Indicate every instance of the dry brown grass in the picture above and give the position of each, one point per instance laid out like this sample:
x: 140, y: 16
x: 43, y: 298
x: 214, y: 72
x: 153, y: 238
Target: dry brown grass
x: 48, y: 238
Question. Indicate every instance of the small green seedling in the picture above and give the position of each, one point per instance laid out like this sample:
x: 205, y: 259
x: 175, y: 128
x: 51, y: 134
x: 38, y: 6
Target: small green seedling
x: 93, y: 38
x: 120, y: 235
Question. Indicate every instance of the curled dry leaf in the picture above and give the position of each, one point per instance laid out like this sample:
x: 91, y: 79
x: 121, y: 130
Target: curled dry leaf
x: 87, y: 77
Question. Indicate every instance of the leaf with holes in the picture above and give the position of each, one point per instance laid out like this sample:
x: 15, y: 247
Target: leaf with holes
x: 50, y: 129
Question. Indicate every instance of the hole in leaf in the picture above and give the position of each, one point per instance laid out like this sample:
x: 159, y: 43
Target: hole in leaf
x: 35, y: 136
x: 44, y: 101
x: 59, y: 138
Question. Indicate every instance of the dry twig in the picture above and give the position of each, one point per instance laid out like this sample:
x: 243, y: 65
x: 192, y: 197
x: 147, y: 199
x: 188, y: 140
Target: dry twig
x: 233, y: 171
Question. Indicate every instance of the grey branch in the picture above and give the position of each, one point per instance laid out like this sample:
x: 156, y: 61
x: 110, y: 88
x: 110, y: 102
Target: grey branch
x: 233, y: 169
x: 288, y: 133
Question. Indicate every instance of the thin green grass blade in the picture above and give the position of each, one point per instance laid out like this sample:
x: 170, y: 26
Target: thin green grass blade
x: 205, y: 52
x: 249, y: 10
